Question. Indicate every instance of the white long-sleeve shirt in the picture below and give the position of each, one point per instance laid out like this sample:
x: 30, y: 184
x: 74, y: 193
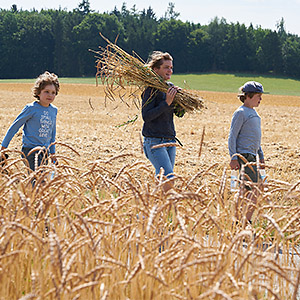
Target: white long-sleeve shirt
x: 245, y: 132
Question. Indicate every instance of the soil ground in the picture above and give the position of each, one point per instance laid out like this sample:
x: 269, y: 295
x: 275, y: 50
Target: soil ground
x: 88, y: 123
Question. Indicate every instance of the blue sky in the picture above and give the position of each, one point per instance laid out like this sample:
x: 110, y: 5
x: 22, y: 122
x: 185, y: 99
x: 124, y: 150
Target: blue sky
x: 264, y: 13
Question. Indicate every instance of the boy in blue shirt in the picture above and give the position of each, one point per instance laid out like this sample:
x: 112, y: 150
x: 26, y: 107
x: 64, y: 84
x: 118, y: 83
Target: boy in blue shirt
x: 38, y: 120
x: 245, y: 136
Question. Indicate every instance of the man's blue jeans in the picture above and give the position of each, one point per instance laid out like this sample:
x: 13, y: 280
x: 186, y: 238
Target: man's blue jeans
x: 163, y: 157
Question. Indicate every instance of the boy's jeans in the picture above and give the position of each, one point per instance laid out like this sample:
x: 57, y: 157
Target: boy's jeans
x: 42, y: 157
x: 163, y: 157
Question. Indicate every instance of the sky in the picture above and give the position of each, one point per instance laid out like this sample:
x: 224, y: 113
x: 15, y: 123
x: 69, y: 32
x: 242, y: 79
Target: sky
x: 264, y: 13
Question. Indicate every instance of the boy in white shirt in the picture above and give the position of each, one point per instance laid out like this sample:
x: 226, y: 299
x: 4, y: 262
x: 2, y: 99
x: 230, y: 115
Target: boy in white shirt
x: 245, y: 136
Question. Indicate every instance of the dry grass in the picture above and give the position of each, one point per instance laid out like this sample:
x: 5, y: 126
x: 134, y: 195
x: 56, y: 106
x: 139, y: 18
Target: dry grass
x: 119, y: 70
x: 102, y: 228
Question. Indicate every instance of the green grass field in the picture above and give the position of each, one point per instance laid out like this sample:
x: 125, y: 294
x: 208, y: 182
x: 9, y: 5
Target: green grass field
x: 210, y: 82
x: 232, y: 82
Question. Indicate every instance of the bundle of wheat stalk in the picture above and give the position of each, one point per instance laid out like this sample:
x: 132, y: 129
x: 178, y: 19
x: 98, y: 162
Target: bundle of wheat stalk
x: 117, y: 69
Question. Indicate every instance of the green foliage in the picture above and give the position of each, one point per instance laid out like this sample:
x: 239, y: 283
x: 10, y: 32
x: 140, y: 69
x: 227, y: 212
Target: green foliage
x: 87, y: 37
x: 173, y: 36
x: 59, y: 41
x: 200, y: 58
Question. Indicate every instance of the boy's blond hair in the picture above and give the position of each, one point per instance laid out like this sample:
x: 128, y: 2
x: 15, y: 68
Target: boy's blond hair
x: 45, y: 79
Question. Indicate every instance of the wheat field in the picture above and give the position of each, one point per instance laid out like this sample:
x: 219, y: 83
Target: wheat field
x: 103, y: 228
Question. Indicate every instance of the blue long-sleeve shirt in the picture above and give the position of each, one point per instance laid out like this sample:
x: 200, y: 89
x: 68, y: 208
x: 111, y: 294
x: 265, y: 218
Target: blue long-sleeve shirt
x: 245, y: 132
x: 157, y: 115
x: 39, y: 126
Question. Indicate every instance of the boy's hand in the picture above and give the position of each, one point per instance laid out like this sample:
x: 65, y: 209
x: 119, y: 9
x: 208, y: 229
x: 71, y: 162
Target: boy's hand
x: 234, y: 164
x: 262, y: 163
x: 53, y: 159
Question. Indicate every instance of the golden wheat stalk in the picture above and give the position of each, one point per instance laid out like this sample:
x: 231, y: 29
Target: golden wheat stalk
x: 164, y: 145
x: 117, y: 69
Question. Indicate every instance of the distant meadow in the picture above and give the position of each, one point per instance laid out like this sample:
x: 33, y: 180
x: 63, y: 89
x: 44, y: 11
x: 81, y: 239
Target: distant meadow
x: 216, y: 82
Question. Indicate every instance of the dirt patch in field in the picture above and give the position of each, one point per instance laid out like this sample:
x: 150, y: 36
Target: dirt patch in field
x: 88, y: 123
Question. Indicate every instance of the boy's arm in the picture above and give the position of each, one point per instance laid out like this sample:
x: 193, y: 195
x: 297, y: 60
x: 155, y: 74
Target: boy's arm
x: 15, y: 126
x: 235, y: 127
x: 52, y: 141
x: 52, y: 147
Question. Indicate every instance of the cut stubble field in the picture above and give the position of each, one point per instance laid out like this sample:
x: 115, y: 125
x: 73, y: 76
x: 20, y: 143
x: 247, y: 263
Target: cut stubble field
x: 89, y: 123
x: 103, y: 228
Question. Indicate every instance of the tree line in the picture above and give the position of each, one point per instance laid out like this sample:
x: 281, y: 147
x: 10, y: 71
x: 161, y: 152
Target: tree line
x: 59, y: 41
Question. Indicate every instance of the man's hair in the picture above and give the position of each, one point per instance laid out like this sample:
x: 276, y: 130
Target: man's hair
x: 157, y: 58
x: 45, y: 79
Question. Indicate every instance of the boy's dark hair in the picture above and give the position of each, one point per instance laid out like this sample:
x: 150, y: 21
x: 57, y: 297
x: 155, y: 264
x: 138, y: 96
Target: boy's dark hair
x: 45, y: 79
x: 157, y: 58
x: 243, y: 96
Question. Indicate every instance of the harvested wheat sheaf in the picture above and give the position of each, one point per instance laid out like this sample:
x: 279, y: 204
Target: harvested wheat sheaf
x: 117, y: 69
x: 88, y: 233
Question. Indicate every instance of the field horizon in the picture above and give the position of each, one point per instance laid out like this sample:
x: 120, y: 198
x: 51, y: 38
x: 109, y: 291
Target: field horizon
x: 213, y: 82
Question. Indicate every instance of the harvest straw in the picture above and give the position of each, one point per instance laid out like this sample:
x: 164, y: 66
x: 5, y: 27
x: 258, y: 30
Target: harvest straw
x: 116, y: 68
x: 164, y: 145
